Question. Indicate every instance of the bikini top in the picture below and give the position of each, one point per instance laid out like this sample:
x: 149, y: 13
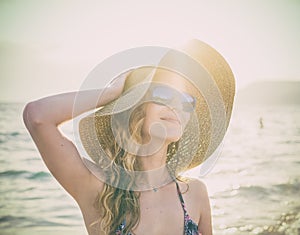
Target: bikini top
x: 190, y: 227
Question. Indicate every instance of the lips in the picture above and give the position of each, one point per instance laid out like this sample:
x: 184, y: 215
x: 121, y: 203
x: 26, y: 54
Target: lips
x: 170, y: 119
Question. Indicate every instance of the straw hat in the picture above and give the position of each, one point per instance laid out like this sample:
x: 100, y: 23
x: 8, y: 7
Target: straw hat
x: 209, y: 79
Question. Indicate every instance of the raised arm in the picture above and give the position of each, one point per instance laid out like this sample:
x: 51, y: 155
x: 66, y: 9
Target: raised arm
x: 42, y: 118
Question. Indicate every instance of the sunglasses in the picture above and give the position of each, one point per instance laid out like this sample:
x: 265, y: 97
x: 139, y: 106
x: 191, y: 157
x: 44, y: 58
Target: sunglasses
x: 165, y: 95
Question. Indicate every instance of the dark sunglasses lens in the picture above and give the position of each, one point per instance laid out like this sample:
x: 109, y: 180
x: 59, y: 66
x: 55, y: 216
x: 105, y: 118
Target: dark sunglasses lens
x: 165, y: 95
x: 188, y: 102
x: 162, y: 95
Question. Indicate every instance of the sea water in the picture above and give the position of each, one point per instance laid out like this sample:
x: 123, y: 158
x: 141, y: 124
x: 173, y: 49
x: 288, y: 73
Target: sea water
x: 254, y: 186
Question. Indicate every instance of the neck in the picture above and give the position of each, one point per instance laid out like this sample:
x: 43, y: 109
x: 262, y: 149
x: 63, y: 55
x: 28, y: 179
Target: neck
x: 153, y: 161
x: 155, y: 173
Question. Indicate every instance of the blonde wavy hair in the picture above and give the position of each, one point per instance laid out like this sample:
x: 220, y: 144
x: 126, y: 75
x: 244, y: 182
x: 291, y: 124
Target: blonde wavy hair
x: 116, y: 205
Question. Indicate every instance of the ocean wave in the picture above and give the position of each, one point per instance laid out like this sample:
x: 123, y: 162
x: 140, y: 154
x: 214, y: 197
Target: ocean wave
x: 11, y: 133
x: 10, y: 173
x: 25, y: 174
x: 39, y: 175
x: 256, y: 192
x: 287, y: 223
x: 9, y: 221
x: 291, y: 187
x: 7, y: 218
x: 15, y: 139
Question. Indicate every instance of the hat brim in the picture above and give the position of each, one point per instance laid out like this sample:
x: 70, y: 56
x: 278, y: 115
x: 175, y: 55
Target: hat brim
x: 203, y: 133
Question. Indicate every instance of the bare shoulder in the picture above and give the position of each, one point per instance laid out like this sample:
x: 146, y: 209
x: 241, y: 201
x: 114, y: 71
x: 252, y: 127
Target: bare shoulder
x: 197, y: 183
x: 195, y: 190
x: 200, y: 195
x: 196, y: 186
x: 198, y: 192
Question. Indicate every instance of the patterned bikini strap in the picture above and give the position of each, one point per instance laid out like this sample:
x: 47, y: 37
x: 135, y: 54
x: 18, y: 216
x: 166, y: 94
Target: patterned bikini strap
x: 181, y: 198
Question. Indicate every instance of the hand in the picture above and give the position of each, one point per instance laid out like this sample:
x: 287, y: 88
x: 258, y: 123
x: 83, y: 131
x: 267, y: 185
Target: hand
x: 116, y: 87
x: 117, y: 84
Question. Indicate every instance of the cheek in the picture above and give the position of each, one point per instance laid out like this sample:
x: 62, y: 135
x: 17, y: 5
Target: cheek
x: 152, y: 111
x: 184, y: 118
x: 145, y: 128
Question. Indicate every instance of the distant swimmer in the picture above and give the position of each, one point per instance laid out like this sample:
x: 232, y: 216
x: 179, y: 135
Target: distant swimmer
x: 261, y: 123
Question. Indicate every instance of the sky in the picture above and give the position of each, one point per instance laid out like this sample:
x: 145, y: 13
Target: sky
x: 49, y: 47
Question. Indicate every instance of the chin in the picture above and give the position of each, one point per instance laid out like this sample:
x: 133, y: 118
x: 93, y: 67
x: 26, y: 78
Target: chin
x: 171, y: 133
x: 173, y: 137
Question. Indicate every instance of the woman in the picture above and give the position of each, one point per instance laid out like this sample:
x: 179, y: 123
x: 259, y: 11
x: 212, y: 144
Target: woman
x: 132, y: 183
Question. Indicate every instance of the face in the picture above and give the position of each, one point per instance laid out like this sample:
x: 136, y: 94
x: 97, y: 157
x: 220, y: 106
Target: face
x: 168, y: 108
